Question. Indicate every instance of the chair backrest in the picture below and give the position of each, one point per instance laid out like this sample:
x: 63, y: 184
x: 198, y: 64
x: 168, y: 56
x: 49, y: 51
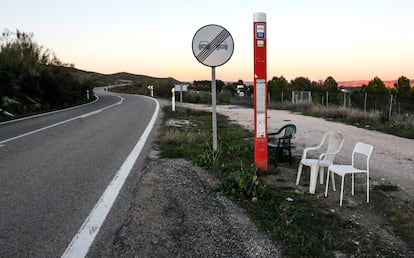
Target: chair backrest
x: 362, y: 149
x: 335, y: 142
x: 290, y: 130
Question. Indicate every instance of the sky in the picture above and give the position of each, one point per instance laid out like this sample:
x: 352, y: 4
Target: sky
x: 345, y: 39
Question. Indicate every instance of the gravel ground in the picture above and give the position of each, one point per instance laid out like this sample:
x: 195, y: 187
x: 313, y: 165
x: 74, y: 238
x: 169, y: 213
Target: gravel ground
x: 174, y: 213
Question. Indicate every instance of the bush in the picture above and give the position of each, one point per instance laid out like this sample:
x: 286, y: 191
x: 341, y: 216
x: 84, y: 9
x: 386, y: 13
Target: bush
x: 243, y: 184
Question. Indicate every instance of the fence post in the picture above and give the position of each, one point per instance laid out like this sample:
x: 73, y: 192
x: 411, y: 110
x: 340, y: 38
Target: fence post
x: 389, y: 114
x: 365, y: 103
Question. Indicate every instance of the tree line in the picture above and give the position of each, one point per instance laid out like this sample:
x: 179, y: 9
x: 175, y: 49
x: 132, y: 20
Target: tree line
x: 372, y: 96
x: 33, y: 79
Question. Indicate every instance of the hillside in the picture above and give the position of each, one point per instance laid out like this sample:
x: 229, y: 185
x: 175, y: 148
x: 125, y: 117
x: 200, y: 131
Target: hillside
x: 359, y: 83
x: 105, y: 79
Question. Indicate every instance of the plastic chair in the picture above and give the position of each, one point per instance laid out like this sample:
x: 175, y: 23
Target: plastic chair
x: 334, y: 145
x: 360, y: 149
x: 281, y: 140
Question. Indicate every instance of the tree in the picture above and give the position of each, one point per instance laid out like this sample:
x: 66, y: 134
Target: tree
x: 379, y: 92
x: 403, y: 87
x: 33, y: 79
x: 330, y: 84
x: 278, y: 84
x: 301, y: 84
x: 276, y: 87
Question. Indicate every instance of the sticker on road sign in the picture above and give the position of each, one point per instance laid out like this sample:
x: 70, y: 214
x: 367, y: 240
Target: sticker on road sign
x: 260, y: 108
x: 261, y: 126
x: 260, y: 31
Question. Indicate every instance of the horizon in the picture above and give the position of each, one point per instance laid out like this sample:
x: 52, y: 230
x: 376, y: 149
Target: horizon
x: 349, y: 41
x: 350, y: 83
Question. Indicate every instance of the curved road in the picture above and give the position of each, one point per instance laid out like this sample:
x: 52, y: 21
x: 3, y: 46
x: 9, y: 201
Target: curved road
x: 55, y: 167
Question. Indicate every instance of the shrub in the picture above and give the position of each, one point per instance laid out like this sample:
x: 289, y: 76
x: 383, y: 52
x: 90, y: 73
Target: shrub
x: 243, y: 184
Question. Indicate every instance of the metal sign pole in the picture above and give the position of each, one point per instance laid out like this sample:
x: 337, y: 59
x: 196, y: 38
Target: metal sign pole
x: 213, y: 46
x: 213, y: 106
x: 173, y: 99
x: 181, y: 93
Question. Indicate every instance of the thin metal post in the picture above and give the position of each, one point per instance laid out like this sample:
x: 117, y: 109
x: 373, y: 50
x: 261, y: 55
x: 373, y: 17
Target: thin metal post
x: 365, y: 103
x: 213, y: 106
x: 181, y: 93
x: 344, y: 98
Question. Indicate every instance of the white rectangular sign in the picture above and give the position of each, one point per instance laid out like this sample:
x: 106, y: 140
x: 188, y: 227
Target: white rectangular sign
x: 260, y: 108
x: 181, y: 87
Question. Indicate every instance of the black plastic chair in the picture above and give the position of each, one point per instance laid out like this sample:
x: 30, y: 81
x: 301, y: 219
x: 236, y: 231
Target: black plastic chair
x: 282, y: 140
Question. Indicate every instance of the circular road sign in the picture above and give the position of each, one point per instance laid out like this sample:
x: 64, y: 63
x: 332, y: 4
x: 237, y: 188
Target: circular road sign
x: 213, y: 45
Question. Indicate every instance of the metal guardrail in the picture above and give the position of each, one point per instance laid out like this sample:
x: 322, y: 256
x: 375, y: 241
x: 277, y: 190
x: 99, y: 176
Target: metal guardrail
x: 4, y: 112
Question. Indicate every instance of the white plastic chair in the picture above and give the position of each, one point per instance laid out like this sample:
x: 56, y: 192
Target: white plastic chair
x: 335, y: 142
x: 360, y: 149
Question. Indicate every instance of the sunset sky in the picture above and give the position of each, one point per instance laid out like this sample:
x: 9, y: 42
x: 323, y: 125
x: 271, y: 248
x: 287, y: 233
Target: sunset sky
x: 349, y: 40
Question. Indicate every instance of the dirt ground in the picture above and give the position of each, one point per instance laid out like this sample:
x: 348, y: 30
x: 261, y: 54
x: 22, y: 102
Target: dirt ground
x: 174, y: 212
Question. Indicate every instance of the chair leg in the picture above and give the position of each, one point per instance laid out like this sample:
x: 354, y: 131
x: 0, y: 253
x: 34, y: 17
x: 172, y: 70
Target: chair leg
x: 279, y: 154
x: 353, y: 182
x: 290, y: 157
x: 313, y: 178
x: 276, y: 156
x: 299, y: 173
x: 327, y: 182
x: 321, y: 174
x: 342, y: 191
x: 367, y: 188
x: 333, y: 181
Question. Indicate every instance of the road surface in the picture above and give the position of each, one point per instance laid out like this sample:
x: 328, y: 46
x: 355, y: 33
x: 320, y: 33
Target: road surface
x: 55, y: 167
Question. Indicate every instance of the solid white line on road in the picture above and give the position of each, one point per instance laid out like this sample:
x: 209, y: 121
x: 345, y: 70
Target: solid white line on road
x: 71, y: 119
x: 82, y: 241
x: 91, y: 113
x: 49, y: 113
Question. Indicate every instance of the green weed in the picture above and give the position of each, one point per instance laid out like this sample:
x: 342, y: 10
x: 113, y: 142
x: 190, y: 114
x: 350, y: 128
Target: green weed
x: 243, y: 184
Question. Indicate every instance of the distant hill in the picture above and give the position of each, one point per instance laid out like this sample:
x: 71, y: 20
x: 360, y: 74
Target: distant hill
x: 142, y: 79
x: 105, y: 79
x: 359, y: 83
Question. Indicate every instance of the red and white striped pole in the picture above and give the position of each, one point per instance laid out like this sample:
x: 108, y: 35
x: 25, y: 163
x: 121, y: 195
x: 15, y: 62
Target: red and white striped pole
x: 260, y: 91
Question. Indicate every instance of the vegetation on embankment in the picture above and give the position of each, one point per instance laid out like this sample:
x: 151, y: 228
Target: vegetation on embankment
x: 33, y: 79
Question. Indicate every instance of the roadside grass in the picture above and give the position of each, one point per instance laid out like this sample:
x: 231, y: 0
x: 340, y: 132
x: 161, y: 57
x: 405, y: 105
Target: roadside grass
x: 400, y: 212
x: 305, y: 227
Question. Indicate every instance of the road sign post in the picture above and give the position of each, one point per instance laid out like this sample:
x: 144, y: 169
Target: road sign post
x: 213, y: 46
x: 181, y: 88
x: 260, y: 91
x: 173, y: 99
x: 151, y: 88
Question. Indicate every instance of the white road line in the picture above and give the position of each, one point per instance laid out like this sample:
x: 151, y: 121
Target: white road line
x: 82, y: 241
x: 71, y: 119
x: 48, y: 113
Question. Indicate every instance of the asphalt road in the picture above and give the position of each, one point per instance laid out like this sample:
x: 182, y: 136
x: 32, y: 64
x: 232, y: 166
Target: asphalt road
x: 55, y: 167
